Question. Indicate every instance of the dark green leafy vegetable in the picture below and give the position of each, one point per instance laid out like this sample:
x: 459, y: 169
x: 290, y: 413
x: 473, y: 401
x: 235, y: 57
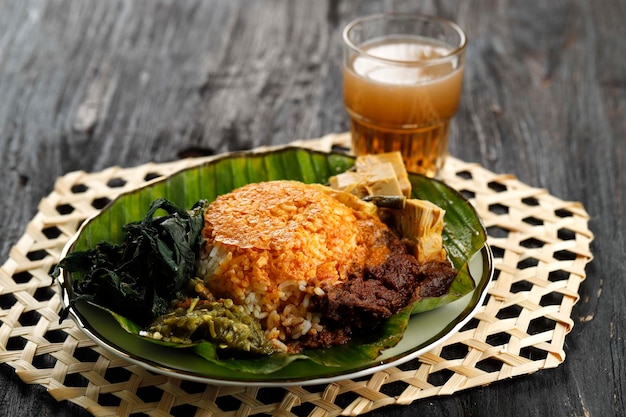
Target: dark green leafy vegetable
x: 139, y: 277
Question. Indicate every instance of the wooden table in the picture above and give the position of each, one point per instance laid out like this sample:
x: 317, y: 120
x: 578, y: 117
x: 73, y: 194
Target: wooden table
x: 88, y: 84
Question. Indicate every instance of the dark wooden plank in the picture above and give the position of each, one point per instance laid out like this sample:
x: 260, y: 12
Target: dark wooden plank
x: 88, y: 84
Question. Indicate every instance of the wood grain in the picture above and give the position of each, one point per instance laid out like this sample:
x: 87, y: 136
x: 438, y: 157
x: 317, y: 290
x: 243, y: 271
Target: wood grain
x: 88, y: 84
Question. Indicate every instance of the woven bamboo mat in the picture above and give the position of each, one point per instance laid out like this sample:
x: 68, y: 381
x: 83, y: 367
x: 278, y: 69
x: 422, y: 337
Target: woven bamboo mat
x: 540, y: 245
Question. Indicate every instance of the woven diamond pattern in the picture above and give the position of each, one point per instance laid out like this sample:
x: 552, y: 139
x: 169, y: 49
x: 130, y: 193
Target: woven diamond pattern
x: 540, y: 245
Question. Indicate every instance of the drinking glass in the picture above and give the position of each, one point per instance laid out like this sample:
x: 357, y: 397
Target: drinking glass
x: 403, y: 75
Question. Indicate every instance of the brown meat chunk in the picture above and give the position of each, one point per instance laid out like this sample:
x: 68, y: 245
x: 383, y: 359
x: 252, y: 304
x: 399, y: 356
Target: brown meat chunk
x: 358, y: 303
x: 379, y: 291
x: 436, y: 279
x: 326, y: 338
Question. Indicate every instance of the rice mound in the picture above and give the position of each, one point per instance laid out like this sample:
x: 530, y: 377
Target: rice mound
x: 271, y: 245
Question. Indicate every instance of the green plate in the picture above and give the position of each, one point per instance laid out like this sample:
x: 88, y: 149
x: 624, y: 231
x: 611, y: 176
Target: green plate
x: 464, y: 238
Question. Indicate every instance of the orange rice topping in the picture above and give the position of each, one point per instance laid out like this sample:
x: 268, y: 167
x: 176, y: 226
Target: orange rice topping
x: 278, y: 241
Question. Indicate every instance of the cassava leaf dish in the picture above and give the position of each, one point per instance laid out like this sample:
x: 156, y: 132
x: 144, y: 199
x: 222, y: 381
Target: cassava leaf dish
x: 402, y: 337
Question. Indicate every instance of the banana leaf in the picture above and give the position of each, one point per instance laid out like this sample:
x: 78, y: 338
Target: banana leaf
x: 463, y: 236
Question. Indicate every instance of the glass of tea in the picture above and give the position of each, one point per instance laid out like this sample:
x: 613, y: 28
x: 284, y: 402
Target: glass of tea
x: 402, y: 85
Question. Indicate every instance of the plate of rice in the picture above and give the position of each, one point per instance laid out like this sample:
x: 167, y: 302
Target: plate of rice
x: 263, y: 274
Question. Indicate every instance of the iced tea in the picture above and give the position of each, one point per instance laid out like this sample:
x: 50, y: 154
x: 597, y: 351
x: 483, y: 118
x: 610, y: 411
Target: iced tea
x: 401, y: 92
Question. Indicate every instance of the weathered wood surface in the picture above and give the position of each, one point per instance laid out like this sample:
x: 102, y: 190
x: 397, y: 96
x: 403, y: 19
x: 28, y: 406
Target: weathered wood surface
x: 88, y: 84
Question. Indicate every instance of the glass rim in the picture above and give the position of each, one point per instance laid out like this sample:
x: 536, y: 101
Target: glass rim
x: 458, y: 49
